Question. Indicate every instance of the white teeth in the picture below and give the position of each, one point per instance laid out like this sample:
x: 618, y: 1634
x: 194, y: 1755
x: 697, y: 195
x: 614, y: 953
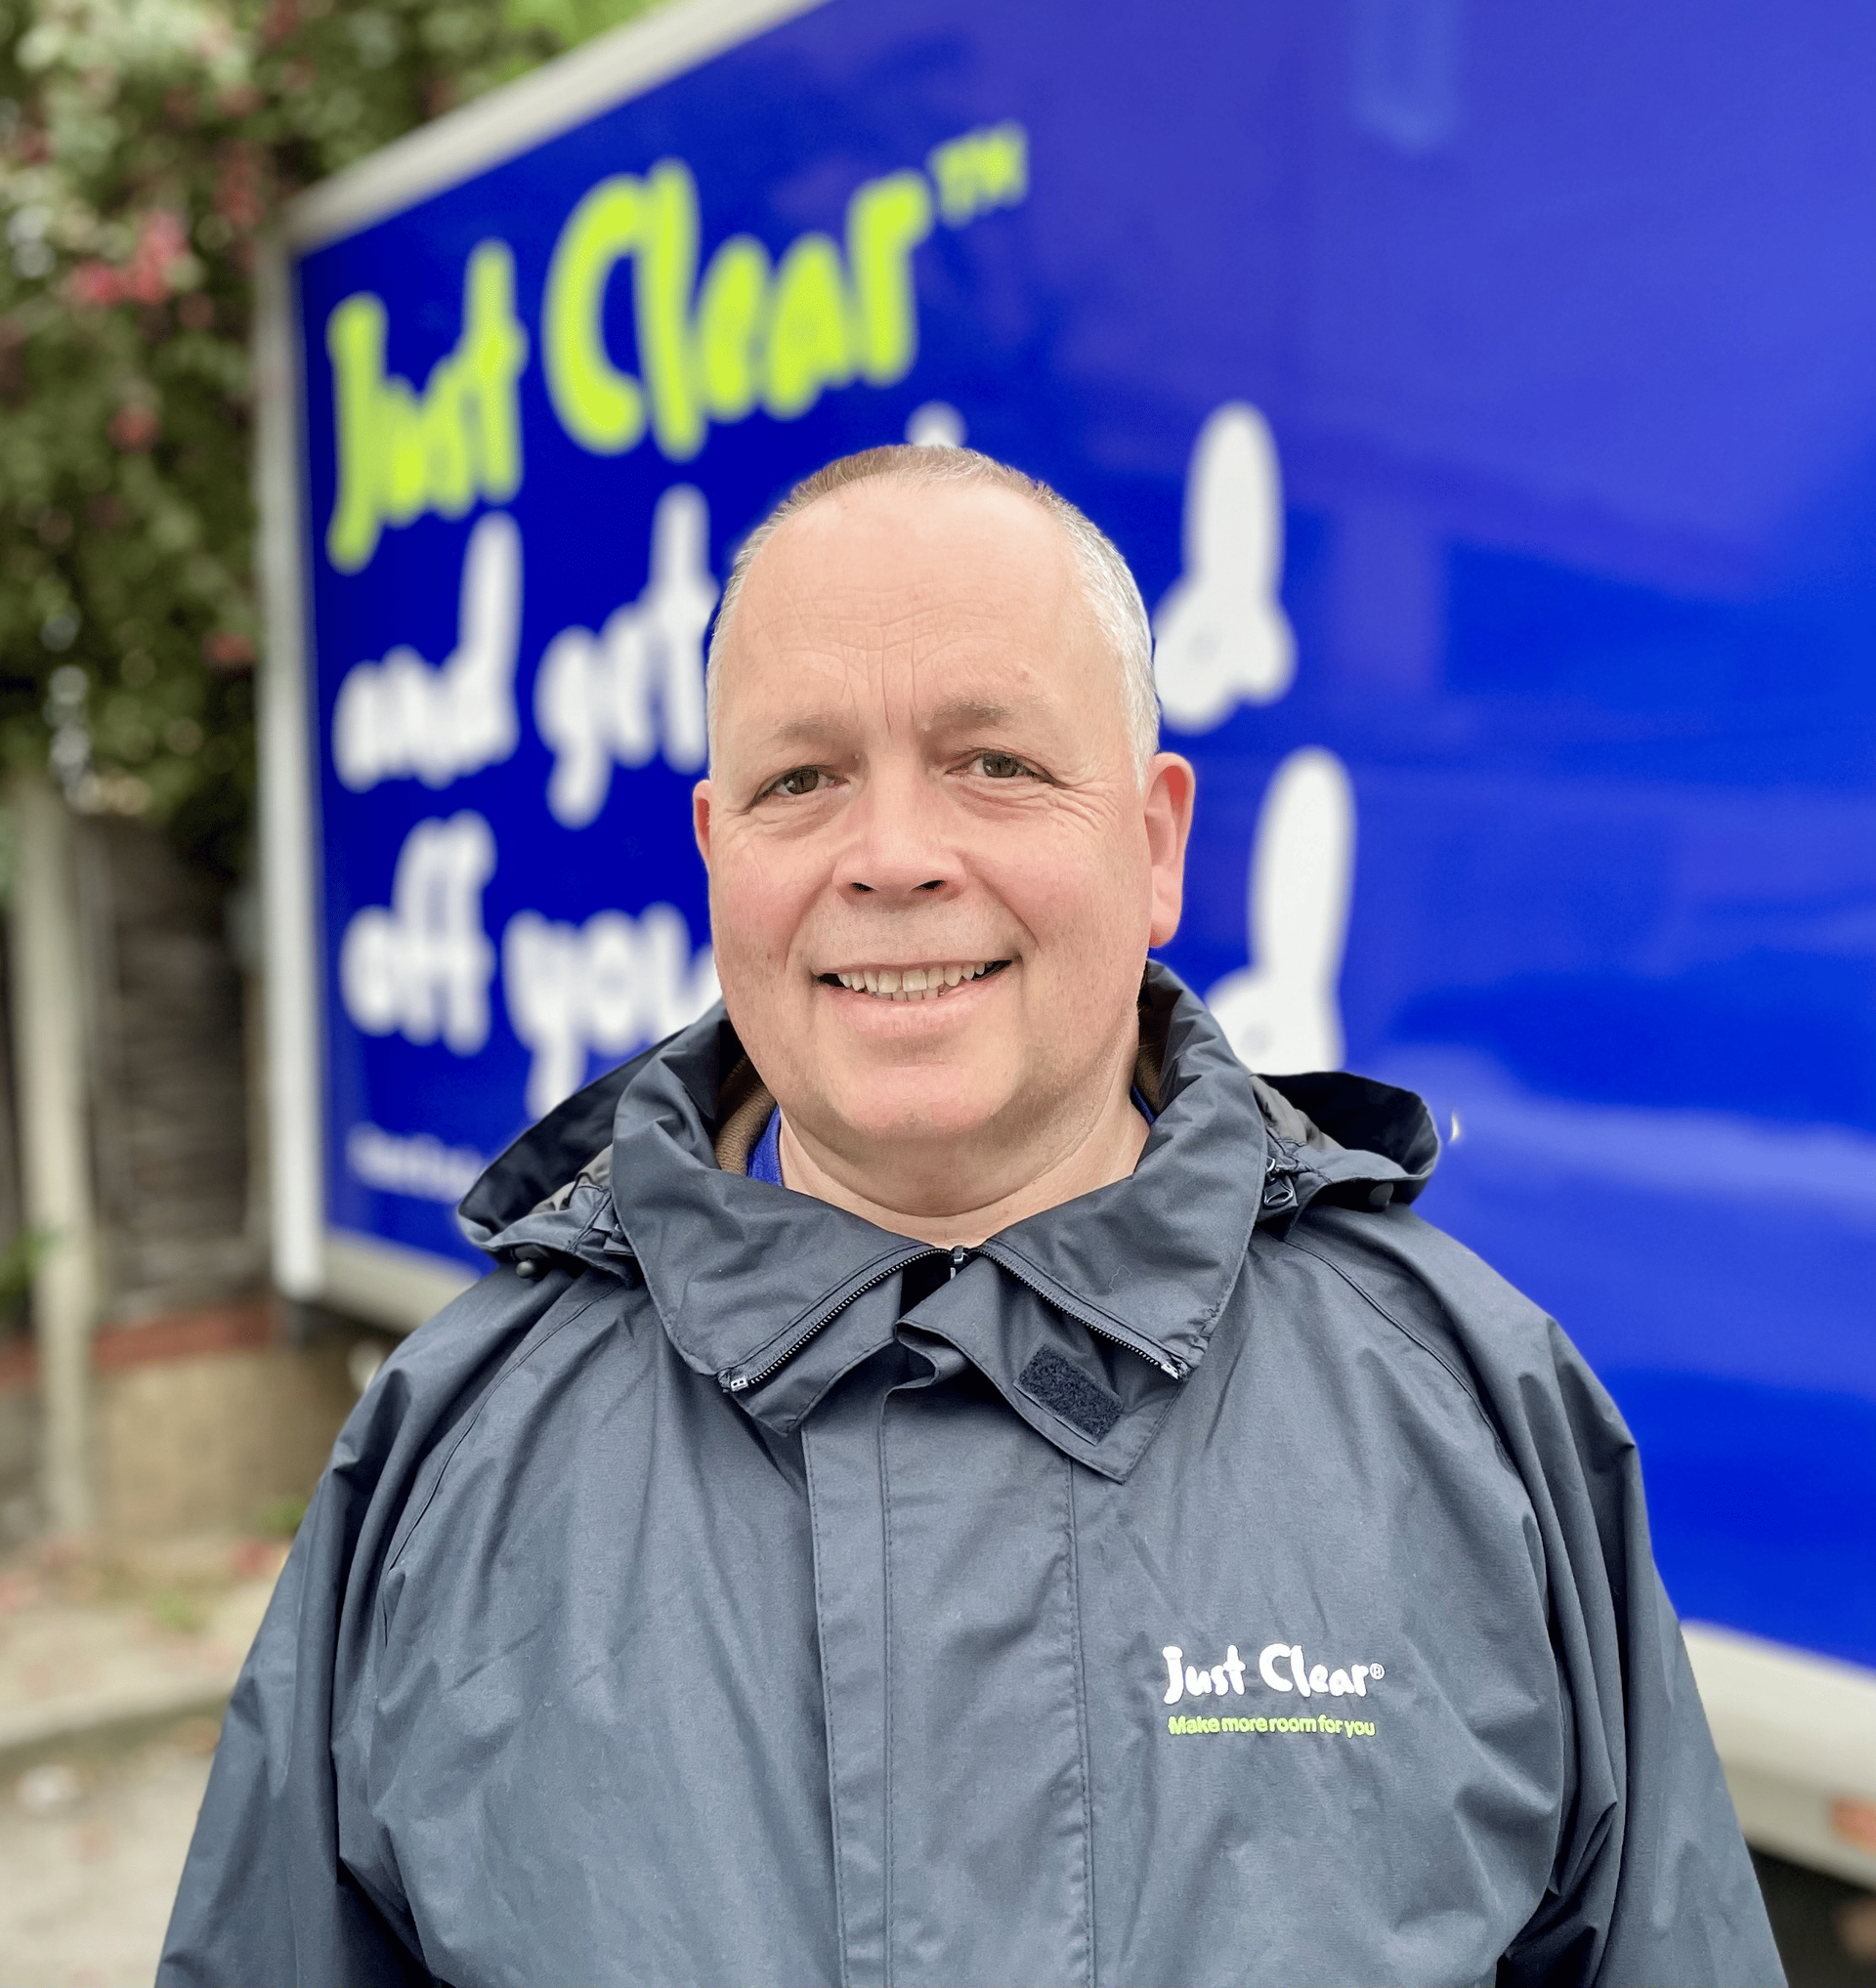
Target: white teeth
x: 909, y: 983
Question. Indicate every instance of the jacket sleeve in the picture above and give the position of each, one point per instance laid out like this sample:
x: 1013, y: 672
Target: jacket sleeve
x: 266, y: 1898
x: 1652, y: 1882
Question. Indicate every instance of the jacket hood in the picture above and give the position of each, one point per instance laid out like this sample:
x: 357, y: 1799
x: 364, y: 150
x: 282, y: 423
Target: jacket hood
x: 773, y: 1291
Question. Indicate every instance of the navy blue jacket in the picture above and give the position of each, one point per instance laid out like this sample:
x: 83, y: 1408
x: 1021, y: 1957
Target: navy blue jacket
x: 1222, y: 1576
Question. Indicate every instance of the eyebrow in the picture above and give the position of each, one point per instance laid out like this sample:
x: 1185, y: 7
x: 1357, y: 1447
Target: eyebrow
x: 799, y: 732
x: 956, y: 714
x: 959, y: 713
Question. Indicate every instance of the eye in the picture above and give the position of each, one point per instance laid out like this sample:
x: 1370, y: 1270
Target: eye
x: 998, y: 766
x: 804, y: 780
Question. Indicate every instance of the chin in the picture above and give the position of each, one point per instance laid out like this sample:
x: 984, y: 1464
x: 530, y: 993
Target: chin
x: 927, y: 1104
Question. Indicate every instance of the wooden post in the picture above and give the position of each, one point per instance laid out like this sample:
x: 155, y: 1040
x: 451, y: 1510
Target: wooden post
x: 49, y: 1056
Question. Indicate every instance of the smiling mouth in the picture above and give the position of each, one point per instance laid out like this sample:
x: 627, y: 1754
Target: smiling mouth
x: 912, y: 982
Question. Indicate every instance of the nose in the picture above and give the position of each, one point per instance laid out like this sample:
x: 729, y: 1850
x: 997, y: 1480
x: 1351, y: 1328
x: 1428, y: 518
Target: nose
x: 898, y: 851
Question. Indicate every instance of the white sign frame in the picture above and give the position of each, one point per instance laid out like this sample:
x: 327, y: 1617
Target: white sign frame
x: 366, y: 1276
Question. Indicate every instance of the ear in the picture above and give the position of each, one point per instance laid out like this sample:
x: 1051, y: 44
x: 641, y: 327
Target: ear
x: 700, y: 819
x: 1171, y: 785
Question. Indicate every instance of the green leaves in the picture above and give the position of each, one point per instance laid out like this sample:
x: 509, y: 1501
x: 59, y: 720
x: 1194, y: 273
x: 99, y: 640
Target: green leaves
x: 144, y: 144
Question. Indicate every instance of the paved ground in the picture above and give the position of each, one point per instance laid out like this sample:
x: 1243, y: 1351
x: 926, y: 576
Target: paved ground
x: 86, y: 1640
x: 112, y: 1672
x: 91, y: 1849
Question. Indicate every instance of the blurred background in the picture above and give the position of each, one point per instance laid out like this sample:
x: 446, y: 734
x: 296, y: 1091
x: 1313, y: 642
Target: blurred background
x: 1486, y: 401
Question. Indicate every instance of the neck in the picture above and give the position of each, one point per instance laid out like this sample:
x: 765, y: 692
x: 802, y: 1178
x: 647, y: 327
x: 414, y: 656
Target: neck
x: 1102, y: 1151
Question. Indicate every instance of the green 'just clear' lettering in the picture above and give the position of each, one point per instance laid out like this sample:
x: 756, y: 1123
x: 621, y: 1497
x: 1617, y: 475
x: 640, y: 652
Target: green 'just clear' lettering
x: 748, y: 333
x: 402, y: 453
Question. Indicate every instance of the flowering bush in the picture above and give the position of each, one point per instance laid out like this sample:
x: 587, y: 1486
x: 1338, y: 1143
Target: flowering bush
x: 143, y: 144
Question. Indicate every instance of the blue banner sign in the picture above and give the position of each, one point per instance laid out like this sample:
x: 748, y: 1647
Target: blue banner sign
x: 1486, y: 401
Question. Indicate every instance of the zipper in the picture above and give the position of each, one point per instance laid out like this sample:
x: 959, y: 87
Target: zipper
x: 740, y: 1383
x: 1141, y: 1349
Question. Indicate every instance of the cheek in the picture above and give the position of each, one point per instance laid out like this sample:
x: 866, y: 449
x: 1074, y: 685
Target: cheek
x: 757, y: 907
x: 1088, y: 891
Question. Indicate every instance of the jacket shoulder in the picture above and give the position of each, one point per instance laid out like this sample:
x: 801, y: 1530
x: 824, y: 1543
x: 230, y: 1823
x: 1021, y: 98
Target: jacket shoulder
x: 428, y: 1392
x: 1435, y: 1291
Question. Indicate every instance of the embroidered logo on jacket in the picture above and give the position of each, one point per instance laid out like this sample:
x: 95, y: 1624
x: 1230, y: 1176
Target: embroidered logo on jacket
x: 1282, y: 1666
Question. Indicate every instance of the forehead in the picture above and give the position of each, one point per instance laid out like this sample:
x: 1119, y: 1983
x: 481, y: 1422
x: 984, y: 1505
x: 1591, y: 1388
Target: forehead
x: 951, y: 589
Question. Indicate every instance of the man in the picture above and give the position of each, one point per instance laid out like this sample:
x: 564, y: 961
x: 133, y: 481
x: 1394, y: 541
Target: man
x: 955, y: 1481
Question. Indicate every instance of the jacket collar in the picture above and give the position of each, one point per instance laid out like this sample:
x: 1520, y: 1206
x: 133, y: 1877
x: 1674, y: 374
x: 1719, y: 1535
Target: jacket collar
x: 1086, y: 1317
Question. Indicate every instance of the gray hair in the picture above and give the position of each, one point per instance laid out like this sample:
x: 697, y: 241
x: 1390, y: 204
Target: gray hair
x: 1113, y: 593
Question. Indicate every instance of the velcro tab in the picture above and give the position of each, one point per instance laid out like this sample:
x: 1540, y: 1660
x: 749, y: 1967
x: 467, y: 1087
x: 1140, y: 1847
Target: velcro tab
x: 1068, y: 1392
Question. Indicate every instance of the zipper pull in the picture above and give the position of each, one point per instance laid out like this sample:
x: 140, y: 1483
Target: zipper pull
x: 960, y: 1256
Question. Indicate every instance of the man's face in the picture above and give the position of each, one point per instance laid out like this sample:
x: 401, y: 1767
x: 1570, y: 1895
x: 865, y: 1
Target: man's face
x: 921, y: 773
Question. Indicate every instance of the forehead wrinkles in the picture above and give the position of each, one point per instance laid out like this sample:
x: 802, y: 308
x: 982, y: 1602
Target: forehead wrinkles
x: 855, y: 643
x: 878, y: 593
